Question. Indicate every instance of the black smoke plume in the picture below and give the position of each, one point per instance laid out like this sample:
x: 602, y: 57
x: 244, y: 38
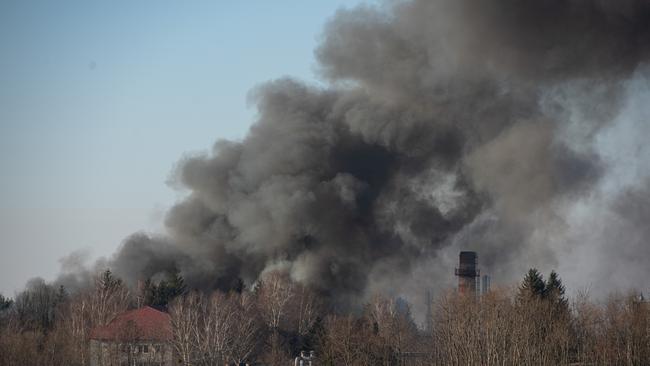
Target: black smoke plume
x: 443, y: 124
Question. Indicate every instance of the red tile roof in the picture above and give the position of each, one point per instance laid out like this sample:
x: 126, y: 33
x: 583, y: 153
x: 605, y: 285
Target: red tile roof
x: 150, y: 324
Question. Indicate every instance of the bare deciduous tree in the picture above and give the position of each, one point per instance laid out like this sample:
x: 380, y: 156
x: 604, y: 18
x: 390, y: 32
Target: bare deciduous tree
x: 275, y: 294
x: 96, y: 307
x: 247, y: 327
x: 305, y: 309
x: 184, y: 315
x: 214, y: 334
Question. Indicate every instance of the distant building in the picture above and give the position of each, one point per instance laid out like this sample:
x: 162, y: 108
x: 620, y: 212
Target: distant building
x: 485, y: 284
x: 428, y: 322
x: 138, y: 337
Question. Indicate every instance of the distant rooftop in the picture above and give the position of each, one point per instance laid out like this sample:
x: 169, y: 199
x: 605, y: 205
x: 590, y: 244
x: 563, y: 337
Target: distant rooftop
x: 150, y: 324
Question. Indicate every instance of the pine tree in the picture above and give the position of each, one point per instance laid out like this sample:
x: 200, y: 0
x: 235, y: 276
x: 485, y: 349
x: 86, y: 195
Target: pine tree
x: 176, y: 285
x: 533, y: 285
x: 61, y: 295
x: 108, y: 281
x: 5, y: 303
x: 5, y: 306
x: 554, y: 288
x: 554, y: 293
x: 150, y: 291
x: 159, y: 295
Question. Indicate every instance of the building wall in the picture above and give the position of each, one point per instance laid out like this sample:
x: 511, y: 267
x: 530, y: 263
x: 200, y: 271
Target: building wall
x: 106, y: 353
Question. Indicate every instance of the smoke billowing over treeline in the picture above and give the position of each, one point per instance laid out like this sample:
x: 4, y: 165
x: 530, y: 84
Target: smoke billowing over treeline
x: 513, y: 128
x: 532, y: 324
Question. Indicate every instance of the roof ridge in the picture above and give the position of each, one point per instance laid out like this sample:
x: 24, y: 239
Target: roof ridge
x: 152, y: 322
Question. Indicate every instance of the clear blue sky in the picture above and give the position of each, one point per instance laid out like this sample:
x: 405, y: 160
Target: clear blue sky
x: 99, y: 100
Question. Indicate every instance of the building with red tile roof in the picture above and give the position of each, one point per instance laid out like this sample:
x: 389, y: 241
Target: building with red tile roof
x: 151, y: 324
x: 134, y: 338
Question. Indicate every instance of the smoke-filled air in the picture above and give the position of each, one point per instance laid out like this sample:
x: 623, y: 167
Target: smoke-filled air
x: 516, y: 129
x: 464, y: 183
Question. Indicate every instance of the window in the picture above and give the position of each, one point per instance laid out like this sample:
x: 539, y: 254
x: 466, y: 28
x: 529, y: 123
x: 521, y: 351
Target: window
x: 142, y: 348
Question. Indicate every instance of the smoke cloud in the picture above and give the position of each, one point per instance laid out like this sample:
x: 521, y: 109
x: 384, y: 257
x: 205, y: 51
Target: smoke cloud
x: 443, y: 125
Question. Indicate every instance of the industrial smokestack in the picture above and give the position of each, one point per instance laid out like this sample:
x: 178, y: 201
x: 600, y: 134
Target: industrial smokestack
x: 467, y: 273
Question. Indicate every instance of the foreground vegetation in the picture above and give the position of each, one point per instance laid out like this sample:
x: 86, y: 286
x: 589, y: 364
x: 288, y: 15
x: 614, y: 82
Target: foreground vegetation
x: 533, y: 324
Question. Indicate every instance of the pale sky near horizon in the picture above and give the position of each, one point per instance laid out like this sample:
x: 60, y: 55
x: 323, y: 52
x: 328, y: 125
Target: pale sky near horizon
x: 99, y: 100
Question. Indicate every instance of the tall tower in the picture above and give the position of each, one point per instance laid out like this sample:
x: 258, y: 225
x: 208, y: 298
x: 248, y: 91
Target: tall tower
x: 467, y: 273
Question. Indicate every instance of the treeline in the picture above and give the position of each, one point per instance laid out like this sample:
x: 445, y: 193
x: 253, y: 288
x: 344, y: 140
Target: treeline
x: 532, y: 324
x: 536, y: 325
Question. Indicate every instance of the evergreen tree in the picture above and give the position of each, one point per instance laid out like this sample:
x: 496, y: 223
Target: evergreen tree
x: 5, y: 303
x: 159, y: 295
x: 149, y: 292
x: 554, y: 293
x: 61, y: 295
x: 238, y: 286
x: 554, y: 289
x: 176, y: 285
x: 5, y: 307
x: 108, y: 281
x: 533, y: 286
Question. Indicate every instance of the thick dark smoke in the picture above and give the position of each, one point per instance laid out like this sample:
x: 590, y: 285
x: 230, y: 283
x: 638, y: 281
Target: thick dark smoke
x: 445, y: 124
